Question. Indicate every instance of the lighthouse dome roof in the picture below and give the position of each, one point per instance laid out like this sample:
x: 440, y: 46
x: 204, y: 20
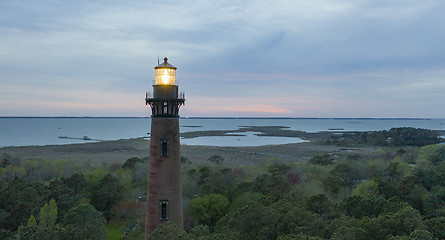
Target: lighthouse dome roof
x: 165, y: 64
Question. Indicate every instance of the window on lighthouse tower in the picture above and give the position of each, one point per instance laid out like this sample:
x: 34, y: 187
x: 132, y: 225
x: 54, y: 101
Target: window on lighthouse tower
x: 163, y: 213
x: 164, y: 148
x: 164, y: 108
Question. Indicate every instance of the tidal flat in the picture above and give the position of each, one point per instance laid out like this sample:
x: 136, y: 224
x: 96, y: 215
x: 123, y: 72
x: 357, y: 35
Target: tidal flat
x: 120, y: 150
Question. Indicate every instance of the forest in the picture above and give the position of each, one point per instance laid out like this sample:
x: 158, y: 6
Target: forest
x: 395, y: 192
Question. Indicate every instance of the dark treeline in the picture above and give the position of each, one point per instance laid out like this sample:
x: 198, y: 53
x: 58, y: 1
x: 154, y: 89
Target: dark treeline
x: 395, y: 137
x: 83, y: 201
x: 384, y: 195
x: 390, y: 193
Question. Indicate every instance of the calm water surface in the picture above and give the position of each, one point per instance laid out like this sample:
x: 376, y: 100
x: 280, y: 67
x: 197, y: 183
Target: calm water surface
x: 44, y: 131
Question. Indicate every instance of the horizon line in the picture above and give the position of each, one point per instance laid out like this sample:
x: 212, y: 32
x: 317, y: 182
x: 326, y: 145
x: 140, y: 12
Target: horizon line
x: 214, y: 117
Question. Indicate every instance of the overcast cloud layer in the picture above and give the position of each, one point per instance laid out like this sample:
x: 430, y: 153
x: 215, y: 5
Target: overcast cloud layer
x: 319, y: 58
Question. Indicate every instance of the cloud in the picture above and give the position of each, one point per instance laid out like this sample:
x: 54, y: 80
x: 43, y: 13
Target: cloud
x: 293, y: 58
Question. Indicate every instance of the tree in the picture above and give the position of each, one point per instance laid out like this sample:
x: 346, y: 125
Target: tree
x: 358, y: 206
x: 32, y: 231
x: 5, y: 163
x: 131, y: 163
x: 77, y: 182
x: 394, y: 205
x: 275, y: 181
x: 254, y: 221
x: 35, y: 232
x: 424, y: 177
x: 204, y: 173
x: 3, y: 217
x: 209, y: 208
x: 437, y: 156
x: 216, y: 182
x: 84, y: 222
x: 299, y: 220
x: 127, y: 209
x: 420, y: 235
x: 20, y: 199
x: 216, y: 159
x: 48, y: 215
x: 107, y: 193
x: 244, y: 198
x: 348, y: 233
x: 300, y: 236
x: 324, y: 159
x: 400, y: 223
x: 342, y: 175
x: 184, y: 160
x: 199, y: 232
x: 6, y: 234
x: 387, y: 188
x: 31, y: 221
x: 437, y: 227
x: 407, y: 220
x: 404, y: 136
x: 408, y: 136
x: 63, y: 195
x: 293, y: 178
x: 414, y: 193
x: 320, y: 205
x: 168, y: 231
x: 365, y: 188
x: 278, y: 169
x: 347, y: 228
x: 46, y: 229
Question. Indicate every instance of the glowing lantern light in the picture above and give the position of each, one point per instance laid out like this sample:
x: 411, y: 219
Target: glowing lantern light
x: 165, y: 77
x: 165, y: 74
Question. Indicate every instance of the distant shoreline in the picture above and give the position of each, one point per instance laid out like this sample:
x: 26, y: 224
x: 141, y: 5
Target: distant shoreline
x: 27, y: 131
x: 327, y: 118
x: 120, y: 150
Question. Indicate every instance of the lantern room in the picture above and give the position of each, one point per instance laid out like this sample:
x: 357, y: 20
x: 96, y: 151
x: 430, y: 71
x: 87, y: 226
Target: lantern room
x: 165, y: 74
x: 165, y: 99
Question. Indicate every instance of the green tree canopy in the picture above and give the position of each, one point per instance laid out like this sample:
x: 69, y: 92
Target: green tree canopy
x: 131, y: 163
x: 208, y: 209
x: 365, y: 188
x: 168, y: 231
x: 84, y: 222
x: 77, y: 182
x: 107, y: 193
x: 253, y: 221
x: 322, y: 159
x: 48, y: 215
x: 20, y: 199
x: 342, y: 175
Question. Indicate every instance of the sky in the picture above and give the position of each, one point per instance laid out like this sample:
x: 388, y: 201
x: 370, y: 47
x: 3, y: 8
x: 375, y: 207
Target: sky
x: 247, y: 58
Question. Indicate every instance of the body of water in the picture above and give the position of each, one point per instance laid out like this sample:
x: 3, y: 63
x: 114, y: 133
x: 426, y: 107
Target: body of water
x: 45, y: 131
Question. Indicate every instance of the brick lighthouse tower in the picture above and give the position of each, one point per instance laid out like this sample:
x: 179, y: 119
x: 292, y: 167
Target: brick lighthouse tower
x: 164, y: 193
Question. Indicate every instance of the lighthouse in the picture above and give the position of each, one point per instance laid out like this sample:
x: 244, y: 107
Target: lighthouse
x: 164, y: 191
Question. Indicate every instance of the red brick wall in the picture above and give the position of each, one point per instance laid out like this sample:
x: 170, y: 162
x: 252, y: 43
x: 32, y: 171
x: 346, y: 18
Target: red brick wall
x: 164, y: 174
